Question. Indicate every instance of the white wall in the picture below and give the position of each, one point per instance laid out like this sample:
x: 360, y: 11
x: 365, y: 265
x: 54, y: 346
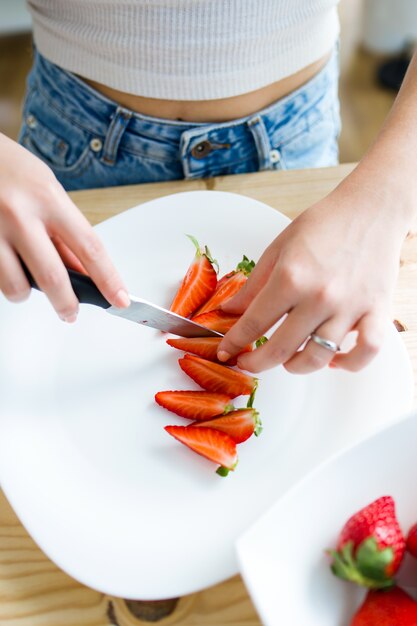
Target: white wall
x: 14, y: 17
x: 389, y: 25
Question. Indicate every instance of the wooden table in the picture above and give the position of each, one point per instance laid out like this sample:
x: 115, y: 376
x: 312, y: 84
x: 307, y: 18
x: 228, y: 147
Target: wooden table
x: 33, y: 591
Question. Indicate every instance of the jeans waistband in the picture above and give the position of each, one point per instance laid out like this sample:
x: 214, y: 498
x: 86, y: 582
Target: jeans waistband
x: 76, y: 100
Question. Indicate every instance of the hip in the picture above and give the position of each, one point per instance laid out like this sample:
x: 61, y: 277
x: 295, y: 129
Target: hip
x: 89, y: 140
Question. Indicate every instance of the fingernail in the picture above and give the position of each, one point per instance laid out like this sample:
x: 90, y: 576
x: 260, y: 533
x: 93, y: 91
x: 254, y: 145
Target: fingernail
x: 122, y: 299
x: 19, y: 297
x: 223, y: 355
x: 70, y: 319
x: 333, y: 365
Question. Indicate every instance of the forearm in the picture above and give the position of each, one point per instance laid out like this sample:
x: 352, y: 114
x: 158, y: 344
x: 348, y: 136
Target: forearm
x: 388, y: 171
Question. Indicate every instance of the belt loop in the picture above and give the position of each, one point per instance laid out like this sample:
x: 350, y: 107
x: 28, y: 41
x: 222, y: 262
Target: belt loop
x: 118, y: 125
x: 260, y: 136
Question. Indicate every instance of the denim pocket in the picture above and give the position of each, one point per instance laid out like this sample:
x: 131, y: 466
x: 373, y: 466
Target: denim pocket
x: 53, y: 138
x: 315, y: 146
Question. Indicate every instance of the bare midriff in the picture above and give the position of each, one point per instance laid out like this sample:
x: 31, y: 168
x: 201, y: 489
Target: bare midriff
x: 219, y: 110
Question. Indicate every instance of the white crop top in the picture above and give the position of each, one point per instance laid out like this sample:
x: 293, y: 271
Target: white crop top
x: 184, y: 49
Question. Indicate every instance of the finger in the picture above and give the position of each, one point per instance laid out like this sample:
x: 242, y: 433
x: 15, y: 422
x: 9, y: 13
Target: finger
x: 314, y: 356
x: 76, y: 232
x: 47, y: 268
x: 267, y: 308
x: 286, y: 340
x: 371, y: 330
x: 256, y: 281
x: 13, y: 282
x: 68, y: 257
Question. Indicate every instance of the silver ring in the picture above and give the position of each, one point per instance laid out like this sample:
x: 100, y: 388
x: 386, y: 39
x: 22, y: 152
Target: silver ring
x: 325, y: 343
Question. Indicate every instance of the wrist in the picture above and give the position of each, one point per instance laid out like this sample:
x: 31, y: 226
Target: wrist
x: 380, y: 195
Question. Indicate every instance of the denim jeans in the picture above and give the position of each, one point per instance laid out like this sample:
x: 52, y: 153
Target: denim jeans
x: 90, y: 141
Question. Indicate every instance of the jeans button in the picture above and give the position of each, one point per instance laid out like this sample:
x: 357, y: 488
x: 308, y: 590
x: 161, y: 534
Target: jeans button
x: 201, y: 150
x: 31, y: 121
x: 275, y: 156
x: 96, y: 144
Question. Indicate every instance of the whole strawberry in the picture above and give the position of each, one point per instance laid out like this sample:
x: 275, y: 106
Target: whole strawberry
x: 371, y: 546
x: 411, y: 542
x: 386, y: 607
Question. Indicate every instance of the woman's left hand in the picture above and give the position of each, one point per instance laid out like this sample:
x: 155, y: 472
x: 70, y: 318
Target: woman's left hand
x: 332, y: 270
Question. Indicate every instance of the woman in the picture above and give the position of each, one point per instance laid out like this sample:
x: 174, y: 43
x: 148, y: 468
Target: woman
x: 143, y: 90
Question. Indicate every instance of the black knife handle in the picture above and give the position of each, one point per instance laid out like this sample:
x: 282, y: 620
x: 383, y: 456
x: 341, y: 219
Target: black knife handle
x: 84, y: 288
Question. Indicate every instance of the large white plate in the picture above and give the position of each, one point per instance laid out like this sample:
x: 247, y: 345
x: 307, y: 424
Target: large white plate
x: 84, y: 459
x: 282, y: 556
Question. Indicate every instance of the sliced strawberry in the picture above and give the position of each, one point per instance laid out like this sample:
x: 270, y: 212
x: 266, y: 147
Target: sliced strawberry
x: 223, y: 279
x: 198, y: 284
x: 240, y: 424
x: 218, y: 378
x: 229, y: 285
x: 195, y: 405
x: 217, y: 320
x: 205, y: 347
x: 210, y: 443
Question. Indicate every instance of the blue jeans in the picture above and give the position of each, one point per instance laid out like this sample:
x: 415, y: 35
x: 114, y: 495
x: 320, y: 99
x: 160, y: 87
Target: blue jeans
x: 90, y: 141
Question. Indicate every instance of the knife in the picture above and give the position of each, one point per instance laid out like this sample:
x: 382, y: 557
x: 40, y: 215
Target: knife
x: 139, y: 311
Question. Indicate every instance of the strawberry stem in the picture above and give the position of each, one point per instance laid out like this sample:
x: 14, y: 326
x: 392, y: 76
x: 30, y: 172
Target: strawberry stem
x: 222, y: 471
x: 260, y: 342
x: 252, y: 395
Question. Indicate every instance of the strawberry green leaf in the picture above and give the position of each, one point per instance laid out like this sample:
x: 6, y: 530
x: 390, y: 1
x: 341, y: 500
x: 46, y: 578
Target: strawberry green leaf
x: 258, y: 425
x: 252, y: 395
x: 245, y: 265
x: 372, y: 561
x: 356, y: 569
x: 196, y: 244
x: 206, y: 252
x: 210, y: 258
x: 260, y: 342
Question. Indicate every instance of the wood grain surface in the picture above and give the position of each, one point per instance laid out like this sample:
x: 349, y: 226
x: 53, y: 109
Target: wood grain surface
x: 33, y: 591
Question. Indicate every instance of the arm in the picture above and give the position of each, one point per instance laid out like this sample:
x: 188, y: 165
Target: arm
x: 334, y: 268
x: 39, y: 222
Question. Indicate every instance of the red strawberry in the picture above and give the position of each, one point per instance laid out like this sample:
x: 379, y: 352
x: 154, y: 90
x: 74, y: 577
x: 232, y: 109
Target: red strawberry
x: 217, y: 320
x: 213, y: 444
x: 229, y: 285
x: 194, y: 405
x: 386, y: 607
x: 218, y: 378
x: 411, y: 541
x: 205, y: 347
x: 371, y: 546
x: 198, y: 284
x: 223, y: 279
x: 239, y: 424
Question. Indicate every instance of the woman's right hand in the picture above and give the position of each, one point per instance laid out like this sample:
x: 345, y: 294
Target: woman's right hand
x: 40, y: 223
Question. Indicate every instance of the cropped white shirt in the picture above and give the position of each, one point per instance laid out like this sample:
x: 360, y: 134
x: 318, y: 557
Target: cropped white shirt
x: 184, y: 49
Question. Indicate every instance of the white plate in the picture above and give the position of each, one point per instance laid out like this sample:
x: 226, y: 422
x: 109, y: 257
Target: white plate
x: 84, y: 460
x: 282, y: 555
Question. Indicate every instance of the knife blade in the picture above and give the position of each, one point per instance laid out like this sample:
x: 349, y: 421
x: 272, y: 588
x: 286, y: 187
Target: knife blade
x: 140, y: 311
